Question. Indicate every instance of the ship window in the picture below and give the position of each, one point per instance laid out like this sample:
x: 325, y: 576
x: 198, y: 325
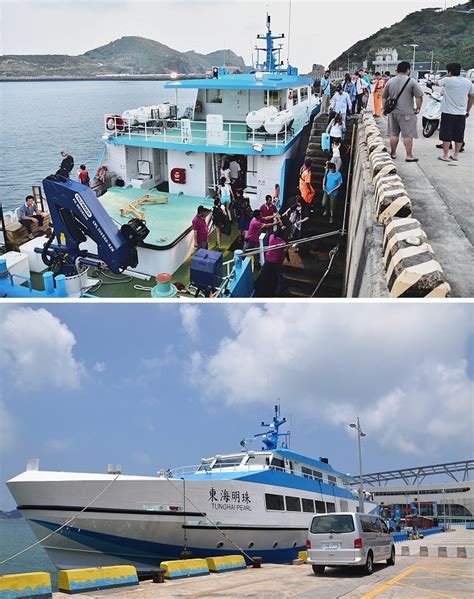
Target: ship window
x: 230, y: 461
x: 278, y: 463
x: 308, y: 505
x: 250, y: 545
x: 303, y: 94
x: 275, y: 544
x: 293, y: 504
x: 307, y: 472
x: 332, y: 480
x: 320, y: 507
x: 214, y: 96
x: 318, y: 475
x: 330, y: 507
x: 219, y: 545
x: 295, y: 97
x: 274, y: 98
x: 274, y: 502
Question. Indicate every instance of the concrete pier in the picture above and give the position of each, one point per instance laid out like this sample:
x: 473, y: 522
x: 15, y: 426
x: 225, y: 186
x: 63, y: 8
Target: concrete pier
x: 412, y: 576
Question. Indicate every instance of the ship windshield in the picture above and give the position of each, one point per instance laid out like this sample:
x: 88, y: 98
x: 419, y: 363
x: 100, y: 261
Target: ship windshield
x: 227, y: 462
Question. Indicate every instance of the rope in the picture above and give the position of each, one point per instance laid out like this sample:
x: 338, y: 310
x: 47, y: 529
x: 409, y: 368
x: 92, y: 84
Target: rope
x: 61, y: 527
x: 210, y: 521
x: 332, y: 254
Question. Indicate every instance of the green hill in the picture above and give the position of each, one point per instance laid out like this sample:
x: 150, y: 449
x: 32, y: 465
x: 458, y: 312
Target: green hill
x: 127, y: 55
x: 449, y: 33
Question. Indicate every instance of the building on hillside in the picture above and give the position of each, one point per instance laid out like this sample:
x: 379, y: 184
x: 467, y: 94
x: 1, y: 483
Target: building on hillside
x: 386, y: 59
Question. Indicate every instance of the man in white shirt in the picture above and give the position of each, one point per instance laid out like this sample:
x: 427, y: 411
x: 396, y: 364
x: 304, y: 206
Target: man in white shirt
x: 340, y: 104
x: 235, y: 171
x: 456, y: 103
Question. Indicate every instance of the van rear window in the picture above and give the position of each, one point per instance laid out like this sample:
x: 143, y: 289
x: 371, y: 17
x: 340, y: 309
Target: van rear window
x: 335, y: 523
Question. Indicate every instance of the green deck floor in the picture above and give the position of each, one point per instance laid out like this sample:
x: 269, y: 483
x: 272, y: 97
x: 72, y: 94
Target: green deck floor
x: 121, y: 286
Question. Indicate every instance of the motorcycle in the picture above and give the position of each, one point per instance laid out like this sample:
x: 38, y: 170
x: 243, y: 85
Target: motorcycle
x: 432, y: 112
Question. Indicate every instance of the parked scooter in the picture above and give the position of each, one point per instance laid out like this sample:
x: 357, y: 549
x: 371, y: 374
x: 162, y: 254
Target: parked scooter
x: 432, y: 113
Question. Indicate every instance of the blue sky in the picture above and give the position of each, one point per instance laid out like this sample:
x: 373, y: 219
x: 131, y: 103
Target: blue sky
x: 320, y: 29
x: 153, y: 386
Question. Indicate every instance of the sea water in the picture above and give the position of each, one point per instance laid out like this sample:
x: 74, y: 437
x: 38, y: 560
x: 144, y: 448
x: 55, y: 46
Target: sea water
x: 16, y: 535
x: 41, y: 118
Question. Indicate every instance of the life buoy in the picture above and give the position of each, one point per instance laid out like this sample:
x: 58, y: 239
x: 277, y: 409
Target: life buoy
x: 113, y: 122
x: 198, y: 107
x: 101, y: 174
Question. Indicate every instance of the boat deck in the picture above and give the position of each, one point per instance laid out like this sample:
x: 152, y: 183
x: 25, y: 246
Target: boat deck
x: 166, y: 221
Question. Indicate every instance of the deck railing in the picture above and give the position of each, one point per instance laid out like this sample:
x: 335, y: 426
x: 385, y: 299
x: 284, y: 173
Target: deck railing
x: 187, y: 131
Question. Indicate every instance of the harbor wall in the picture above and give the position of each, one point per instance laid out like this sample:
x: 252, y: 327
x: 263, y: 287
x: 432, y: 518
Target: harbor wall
x: 364, y: 272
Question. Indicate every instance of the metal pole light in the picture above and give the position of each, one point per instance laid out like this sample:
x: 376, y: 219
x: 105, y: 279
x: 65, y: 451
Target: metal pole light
x: 359, y: 435
x: 414, y: 46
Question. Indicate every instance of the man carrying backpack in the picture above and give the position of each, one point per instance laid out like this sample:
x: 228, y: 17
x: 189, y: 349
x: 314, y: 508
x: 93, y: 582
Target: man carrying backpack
x: 397, y: 97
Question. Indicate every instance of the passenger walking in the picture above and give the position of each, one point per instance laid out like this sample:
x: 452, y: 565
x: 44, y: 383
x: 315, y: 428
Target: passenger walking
x: 307, y: 190
x: 226, y: 196
x: 235, y: 171
x: 299, y: 217
x: 336, y: 154
x: 325, y: 91
x: 225, y: 172
x: 200, y: 229
x: 359, y: 86
x: 386, y: 77
x: 28, y: 214
x: 378, y: 88
x: 367, y: 89
x: 331, y: 184
x: 243, y: 212
x: 402, y: 120
x: 349, y: 88
x: 456, y: 104
x: 220, y: 222
x: 336, y: 129
x: 340, y: 104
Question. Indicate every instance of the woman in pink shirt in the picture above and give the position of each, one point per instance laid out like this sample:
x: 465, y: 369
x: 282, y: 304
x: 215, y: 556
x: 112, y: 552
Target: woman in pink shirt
x: 255, y: 228
x: 270, y: 281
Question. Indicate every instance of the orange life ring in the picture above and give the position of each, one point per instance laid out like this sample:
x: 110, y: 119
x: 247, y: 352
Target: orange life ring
x: 101, y: 174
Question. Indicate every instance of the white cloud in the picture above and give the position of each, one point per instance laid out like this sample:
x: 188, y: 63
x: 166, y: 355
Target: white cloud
x: 7, y: 428
x: 58, y: 445
x: 190, y: 319
x: 401, y: 368
x: 36, y: 350
x: 100, y: 366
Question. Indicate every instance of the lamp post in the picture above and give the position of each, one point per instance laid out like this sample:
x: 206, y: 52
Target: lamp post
x: 414, y: 46
x: 432, y: 56
x: 359, y: 435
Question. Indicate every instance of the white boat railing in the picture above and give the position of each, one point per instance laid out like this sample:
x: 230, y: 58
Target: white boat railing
x: 187, y: 131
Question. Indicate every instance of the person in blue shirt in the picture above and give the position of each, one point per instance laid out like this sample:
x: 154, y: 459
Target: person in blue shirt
x: 331, y: 183
x: 28, y: 213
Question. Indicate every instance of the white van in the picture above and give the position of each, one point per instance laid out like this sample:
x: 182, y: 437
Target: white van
x: 348, y: 539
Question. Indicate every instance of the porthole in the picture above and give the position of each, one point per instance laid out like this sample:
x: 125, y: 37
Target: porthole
x: 250, y: 545
x: 295, y: 545
x: 220, y: 544
x: 275, y: 544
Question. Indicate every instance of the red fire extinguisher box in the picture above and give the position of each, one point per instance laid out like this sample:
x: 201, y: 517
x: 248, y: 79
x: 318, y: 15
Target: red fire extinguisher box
x: 178, y: 175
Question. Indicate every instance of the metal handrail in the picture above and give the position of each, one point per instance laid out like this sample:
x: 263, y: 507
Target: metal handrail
x: 130, y: 127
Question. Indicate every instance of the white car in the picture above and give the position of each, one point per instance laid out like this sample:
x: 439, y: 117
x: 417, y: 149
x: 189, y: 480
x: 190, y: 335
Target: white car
x: 348, y: 539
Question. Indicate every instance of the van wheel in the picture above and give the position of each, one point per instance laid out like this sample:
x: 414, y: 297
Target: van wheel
x: 391, y: 559
x: 369, y: 564
x: 318, y: 570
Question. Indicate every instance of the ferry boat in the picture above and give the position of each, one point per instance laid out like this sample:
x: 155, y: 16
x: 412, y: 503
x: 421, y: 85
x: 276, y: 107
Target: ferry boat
x: 161, y: 162
x: 255, y: 503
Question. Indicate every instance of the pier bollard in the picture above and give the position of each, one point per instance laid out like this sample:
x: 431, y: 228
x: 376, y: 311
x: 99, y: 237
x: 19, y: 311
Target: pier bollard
x: 442, y: 552
x: 158, y: 575
x: 405, y: 550
x: 257, y: 562
x: 423, y: 551
x: 461, y: 552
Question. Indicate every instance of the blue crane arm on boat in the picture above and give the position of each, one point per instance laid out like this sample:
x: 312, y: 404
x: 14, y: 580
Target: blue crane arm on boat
x: 76, y: 214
